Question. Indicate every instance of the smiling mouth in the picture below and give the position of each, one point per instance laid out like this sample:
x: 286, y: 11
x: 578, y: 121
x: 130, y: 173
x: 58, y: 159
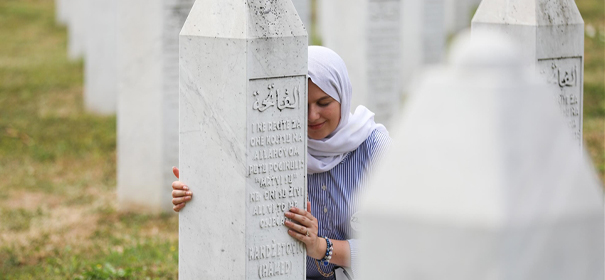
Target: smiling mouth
x: 316, y: 126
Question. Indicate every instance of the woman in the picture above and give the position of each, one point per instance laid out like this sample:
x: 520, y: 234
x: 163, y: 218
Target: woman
x: 342, y: 147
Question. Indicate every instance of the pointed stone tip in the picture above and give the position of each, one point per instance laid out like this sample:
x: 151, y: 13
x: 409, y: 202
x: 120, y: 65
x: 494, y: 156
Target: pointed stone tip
x: 485, y: 49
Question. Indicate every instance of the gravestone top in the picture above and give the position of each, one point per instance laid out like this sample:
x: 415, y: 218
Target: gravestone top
x: 507, y: 180
x: 552, y: 33
x: 529, y: 12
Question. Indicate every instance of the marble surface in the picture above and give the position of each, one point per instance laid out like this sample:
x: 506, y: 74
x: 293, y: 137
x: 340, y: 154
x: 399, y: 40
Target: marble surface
x: 100, y: 69
x: 62, y: 11
x: 243, y: 92
x: 384, y: 44
x: 458, y: 14
x: 483, y: 180
x: 147, y: 111
x: 78, y: 11
x: 552, y: 35
x: 303, y: 7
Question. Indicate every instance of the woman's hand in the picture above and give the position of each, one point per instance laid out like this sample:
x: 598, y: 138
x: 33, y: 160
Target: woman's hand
x: 306, y: 230
x: 180, y: 192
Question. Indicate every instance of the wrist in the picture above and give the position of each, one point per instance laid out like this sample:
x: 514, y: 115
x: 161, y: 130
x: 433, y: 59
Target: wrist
x: 320, y: 250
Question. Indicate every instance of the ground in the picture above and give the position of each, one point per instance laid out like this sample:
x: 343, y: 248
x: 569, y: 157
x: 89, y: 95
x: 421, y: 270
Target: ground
x: 58, y: 217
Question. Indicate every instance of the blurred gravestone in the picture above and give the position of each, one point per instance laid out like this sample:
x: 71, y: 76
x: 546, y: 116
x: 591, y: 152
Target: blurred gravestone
x: 458, y: 14
x: 423, y: 36
x: 384, y: 43
x: 78, y: 16
x: 147, y: 56
x: 367, y: 35
x: 480, y: 182
x: 62, y: 11
x: 552, y: 35
x: 303, y: 7
x: 243, y: 92
x: 100, y: 77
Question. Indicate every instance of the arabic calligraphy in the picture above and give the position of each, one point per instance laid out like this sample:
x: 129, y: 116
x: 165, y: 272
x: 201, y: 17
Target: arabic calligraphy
x: 566, y: 78
x: 563, y: 78
x: 280, y: 99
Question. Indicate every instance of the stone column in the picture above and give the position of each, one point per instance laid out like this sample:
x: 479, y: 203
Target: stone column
x: 243, y: 131
x: 384, y: 43
x: 148, y: 101
x: 77, y: 28
x: 100, y: 69
x: 303, y: 7
x: 480, y: 182
x: 423, y: 36
x: 62, y: 11
x: 552, y: 35
x: 458, y: 14
x: 367, y: 35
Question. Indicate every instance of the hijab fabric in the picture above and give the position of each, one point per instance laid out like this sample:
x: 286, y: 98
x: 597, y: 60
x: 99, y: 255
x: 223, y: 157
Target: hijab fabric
x: 329, y: 72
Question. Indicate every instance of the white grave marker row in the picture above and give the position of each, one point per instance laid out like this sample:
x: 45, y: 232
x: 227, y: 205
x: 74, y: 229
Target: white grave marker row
x: 100, y: 66
x: 147, y: 100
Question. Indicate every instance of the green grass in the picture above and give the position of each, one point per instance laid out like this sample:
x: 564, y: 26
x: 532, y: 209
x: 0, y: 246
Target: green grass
x: 58, y: 217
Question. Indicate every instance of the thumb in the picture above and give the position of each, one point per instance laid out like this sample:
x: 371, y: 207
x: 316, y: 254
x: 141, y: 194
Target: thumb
x: 309, y: 206
x: 175, y: 171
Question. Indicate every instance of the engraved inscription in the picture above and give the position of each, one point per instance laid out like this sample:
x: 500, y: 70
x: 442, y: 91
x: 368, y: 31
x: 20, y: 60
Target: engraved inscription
x: 383, y: 55
x: 276, y: 175
x: 565, y: 77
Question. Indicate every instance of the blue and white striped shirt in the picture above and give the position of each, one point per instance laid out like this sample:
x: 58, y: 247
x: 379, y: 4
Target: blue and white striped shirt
x: 333, y: 196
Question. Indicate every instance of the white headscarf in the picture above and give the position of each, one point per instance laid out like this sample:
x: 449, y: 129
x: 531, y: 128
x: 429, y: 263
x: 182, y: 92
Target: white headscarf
x: 329, y: 72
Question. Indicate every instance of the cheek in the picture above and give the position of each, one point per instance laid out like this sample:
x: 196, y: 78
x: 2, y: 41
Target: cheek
x: 335, y: 115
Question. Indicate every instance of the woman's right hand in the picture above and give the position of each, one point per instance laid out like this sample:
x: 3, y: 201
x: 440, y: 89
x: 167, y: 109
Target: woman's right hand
x: 180, y: 192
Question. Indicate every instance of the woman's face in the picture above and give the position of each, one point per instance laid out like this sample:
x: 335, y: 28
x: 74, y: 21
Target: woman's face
x: 324, y: 113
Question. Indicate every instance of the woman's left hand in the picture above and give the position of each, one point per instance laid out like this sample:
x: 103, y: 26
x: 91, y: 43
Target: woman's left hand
x: 306, y: 231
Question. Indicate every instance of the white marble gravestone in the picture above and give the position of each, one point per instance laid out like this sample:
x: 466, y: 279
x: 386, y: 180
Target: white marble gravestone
x: 62, y: 11
x: 243, y: 131
x: 303, y: 7
x: 78, y: 16
x: 100, y: 68
x: 147, y: 110
x: 367, y: 35
x: 384, y: 44
x: 424, y: 37
x: 458, y: 14
x: 552, y: 34
x: 481, y: 183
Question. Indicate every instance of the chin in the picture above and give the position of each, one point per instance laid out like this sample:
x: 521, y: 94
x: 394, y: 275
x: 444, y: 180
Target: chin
x: 317, y: 136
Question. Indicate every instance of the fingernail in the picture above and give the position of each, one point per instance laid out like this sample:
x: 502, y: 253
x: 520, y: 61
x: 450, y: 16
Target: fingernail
x: 188, y: 193
x: 186, y: 188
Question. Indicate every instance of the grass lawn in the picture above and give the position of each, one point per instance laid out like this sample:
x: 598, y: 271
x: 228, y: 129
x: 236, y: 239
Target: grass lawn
x: 58, y: 217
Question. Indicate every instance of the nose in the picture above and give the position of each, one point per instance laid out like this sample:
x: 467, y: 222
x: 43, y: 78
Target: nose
x: 313, y: 113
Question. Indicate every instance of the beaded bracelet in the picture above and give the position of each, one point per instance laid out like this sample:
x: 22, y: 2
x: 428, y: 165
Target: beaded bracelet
x: 329, y: 248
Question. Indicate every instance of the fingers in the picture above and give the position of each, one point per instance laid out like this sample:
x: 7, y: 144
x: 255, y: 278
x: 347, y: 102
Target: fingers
x: 175, y: 171
x: 178, y: 207
x: 309, y: 206
x: 177, y: 193
x: 179, y: 200
x: 300, y: 229
x: 302, y: 217
x: 178, y: 185
x: 301, y: 237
